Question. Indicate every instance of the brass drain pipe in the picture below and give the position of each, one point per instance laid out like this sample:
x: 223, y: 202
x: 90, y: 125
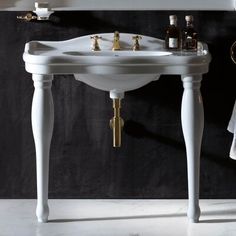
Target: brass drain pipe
x: 116, y: 123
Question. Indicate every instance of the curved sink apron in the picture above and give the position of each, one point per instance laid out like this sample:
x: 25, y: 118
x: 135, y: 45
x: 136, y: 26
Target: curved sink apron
x: 116, y: 72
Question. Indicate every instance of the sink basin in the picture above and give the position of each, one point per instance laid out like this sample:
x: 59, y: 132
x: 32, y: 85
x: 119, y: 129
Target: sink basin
x: 118, y: 83
x: 114, y: 71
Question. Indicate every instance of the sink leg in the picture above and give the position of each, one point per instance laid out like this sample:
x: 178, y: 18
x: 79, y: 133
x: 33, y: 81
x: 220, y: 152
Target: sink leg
x: 42, y: 125
x: 192, y: 116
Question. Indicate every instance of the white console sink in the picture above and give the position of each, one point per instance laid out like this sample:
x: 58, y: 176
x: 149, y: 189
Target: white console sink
x: 116, y: 72
x: 108, y: 70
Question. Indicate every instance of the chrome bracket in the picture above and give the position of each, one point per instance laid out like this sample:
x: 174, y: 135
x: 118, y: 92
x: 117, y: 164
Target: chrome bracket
x: 42, y: 10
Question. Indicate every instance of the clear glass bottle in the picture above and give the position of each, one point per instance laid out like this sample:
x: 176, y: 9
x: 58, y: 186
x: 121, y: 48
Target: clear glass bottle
x: 173, y: 34
x: 190, y: 36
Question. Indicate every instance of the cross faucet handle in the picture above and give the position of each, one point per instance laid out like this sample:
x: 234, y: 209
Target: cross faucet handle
x: 136, y: 45
x: 95, y: 45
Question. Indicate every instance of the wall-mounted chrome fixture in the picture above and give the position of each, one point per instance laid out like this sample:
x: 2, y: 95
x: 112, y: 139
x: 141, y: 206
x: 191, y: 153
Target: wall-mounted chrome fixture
x: 42, y: 12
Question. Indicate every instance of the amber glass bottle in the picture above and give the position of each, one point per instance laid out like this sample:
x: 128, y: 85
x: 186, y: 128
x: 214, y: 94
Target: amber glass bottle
x: 173, y: 35
x: 190, y: 36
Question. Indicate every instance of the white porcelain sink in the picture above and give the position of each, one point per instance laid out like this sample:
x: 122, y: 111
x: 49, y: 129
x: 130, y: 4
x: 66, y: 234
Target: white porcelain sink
x: 115, y: 72
x: 117, y: 82
x: 108, y: 70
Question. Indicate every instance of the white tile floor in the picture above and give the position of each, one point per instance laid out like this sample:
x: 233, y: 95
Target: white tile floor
x: 117, y: 218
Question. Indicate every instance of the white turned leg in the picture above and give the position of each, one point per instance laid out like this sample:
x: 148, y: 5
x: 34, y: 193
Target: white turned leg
x: 42, y: 124
x: 192, y: 116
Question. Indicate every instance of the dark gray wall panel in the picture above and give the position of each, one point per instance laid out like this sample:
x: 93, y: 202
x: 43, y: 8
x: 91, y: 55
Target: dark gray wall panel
x: 151, y: 162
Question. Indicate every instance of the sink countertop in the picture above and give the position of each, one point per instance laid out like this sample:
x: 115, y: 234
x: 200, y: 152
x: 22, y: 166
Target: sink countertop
x: 77, y: 51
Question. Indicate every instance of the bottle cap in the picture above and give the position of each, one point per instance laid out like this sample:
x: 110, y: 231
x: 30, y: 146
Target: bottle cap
x: 189, y: 18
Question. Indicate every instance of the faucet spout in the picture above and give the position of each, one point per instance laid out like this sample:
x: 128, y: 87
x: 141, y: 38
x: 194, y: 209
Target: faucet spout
x: 116, y: 41
x: 116, y: 123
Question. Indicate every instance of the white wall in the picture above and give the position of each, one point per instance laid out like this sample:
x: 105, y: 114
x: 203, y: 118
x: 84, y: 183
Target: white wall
x: 22, y: 5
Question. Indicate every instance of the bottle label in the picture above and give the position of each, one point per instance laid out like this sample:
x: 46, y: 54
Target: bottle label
x: 173, y: 22
x: 173, y: 43
x: 190, y: 43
